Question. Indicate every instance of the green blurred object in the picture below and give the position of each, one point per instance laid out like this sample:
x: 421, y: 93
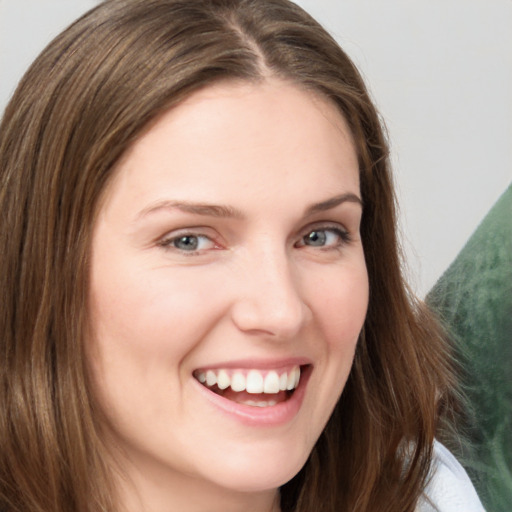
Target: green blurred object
x: 474, y: 299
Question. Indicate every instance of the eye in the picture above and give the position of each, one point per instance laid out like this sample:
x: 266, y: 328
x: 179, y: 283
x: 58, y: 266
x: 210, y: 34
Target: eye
x: 188, y: 242
x: 331, y: 237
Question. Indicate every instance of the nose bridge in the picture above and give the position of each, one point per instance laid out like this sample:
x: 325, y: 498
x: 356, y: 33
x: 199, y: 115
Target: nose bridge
x: 269, y: 298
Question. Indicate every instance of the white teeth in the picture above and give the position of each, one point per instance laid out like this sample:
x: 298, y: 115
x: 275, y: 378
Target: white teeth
x: 211, y: 378
x: 297, y: 377
x: 293, y: 378
x: 238, y: 382
x: 261, y: 403
x: 253, y: 381
x: 283, y: 382
x: 223, y: 380
x: 291, y: 381
x: 271, y: 384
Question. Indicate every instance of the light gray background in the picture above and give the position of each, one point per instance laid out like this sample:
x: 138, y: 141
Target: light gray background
x: 440, y: 72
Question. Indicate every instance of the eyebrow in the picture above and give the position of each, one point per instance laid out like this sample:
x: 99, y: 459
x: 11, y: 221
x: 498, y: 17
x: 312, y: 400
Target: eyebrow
x: 209, y: 210
x: 333, y: 202
x: 221, y: 211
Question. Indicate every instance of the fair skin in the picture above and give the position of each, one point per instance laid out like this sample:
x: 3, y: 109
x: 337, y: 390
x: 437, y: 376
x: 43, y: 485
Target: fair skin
x: 226, y: 260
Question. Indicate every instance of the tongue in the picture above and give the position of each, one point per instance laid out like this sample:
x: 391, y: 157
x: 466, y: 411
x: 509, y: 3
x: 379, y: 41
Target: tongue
x: 243, y: 397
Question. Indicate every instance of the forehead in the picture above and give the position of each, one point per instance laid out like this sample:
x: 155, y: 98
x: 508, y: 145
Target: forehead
x: 245, y: 135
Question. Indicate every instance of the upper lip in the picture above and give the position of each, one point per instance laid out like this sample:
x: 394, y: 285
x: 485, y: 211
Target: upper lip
x: 259, y: 364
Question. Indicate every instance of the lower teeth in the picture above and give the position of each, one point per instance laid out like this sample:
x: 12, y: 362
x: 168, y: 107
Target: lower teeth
x: 253, y: 403
x: 244, y: 398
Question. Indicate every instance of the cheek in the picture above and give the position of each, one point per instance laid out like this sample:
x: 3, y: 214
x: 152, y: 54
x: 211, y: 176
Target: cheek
x: 148, y: 318
x: 142, y: 331
x: 340, y: 305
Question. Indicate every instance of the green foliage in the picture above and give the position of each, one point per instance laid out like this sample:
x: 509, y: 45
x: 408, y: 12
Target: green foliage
x: 474, y: 299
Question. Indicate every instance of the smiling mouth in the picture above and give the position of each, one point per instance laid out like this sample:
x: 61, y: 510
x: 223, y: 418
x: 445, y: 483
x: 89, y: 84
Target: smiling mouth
x: 253, y: 387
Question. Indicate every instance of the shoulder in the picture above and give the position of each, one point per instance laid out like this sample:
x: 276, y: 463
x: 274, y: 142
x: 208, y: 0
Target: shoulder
x: 449, y: 488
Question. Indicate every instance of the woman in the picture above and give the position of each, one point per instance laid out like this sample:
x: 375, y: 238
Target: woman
x: 202, y: 301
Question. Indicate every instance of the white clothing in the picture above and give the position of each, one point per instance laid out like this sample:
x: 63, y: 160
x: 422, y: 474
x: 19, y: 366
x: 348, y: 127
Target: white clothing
x: 449, y: 488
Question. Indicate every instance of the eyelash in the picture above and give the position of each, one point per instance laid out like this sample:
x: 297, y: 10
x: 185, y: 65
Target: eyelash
x: 343, y: 236
x: 168, y: 243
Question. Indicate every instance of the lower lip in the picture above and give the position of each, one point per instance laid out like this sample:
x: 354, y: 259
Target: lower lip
x: 271, y: 416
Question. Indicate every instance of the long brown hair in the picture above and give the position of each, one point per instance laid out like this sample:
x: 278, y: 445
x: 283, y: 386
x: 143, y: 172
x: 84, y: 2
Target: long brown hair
x: 83, y: 102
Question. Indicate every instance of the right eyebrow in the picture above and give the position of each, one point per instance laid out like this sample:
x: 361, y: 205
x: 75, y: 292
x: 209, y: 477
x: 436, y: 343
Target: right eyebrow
x: 208, y: 210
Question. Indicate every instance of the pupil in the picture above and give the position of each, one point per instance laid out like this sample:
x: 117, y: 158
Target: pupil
x: 187, y: 243
x: 316, y: 238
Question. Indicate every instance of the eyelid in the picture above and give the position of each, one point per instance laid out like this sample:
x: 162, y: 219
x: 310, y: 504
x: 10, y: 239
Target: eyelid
x: 324, y: 225
x: 167, y: 240
x: 339, y: 229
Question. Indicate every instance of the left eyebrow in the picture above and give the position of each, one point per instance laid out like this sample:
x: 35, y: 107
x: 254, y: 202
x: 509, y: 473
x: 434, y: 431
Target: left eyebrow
x: 333, y: 202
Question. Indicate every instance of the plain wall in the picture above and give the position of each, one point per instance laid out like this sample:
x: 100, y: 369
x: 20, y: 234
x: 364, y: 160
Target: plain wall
x: 441, y: 74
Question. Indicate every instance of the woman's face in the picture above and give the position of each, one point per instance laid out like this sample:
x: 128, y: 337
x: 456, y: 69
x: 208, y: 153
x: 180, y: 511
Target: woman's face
x: 226, y: 261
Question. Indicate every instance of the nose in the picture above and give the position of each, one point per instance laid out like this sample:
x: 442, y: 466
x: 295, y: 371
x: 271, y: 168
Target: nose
x: 269, y: 298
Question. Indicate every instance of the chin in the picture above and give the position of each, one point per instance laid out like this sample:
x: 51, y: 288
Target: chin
x: 248, y: 472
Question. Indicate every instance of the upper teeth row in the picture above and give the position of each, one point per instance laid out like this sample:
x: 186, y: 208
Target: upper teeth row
x: 253, y: 382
